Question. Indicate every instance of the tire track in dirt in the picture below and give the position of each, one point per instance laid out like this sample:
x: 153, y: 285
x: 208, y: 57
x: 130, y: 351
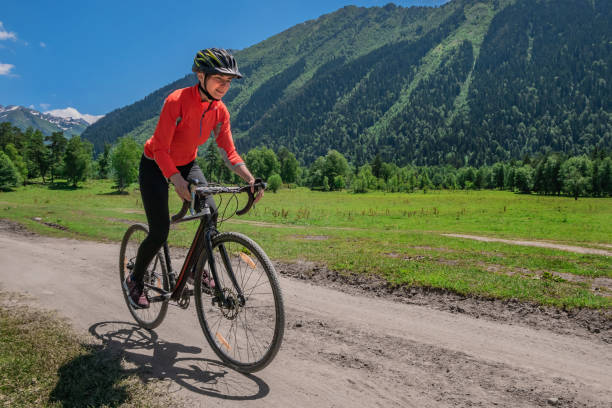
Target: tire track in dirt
x: 539, y: 244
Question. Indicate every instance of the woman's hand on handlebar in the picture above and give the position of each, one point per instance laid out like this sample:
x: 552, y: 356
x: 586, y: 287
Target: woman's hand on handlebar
x: 260, y: 192
x: 181, y: 186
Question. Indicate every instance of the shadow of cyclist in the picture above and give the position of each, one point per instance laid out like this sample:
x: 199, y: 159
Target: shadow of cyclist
x: 150, y: 358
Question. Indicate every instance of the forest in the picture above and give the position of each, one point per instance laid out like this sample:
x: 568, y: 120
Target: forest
x: 29, y: 156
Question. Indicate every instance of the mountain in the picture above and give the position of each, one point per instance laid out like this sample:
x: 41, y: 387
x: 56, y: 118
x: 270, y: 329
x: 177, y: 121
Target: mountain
x: 72, y: 113
x: 23, y: 118
x: 470, y: 82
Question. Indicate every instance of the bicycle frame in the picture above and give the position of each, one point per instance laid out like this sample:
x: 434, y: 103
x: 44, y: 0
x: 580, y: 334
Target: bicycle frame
x: 202, y: 241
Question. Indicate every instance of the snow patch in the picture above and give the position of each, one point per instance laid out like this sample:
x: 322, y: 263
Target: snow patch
x: 72, y: 113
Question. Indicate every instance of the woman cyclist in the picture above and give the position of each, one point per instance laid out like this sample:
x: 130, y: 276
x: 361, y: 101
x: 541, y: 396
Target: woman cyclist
x: 189, y: 116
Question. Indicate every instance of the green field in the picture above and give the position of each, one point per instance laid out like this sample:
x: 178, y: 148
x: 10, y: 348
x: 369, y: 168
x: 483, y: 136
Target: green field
x: 395, y: 236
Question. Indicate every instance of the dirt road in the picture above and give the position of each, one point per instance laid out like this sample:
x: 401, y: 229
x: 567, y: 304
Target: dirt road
x: 340, y: 349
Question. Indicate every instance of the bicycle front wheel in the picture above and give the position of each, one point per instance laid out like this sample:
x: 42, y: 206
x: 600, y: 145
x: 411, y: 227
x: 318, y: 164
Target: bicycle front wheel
x: 155, y: 275
x: 247, y: 330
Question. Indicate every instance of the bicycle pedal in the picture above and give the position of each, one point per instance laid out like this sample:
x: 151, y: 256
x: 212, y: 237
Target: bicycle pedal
x: 187, y: 292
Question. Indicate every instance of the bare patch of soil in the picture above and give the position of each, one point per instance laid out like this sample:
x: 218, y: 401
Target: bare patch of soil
x: 50, y: 224
x: 540, y: 244
x: 121, y: 220
x: 601, y: 286
x: 581, y: 322
x: 311, y: 237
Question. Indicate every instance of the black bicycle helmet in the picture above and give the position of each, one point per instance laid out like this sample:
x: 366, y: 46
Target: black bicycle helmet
x: 215, y: 61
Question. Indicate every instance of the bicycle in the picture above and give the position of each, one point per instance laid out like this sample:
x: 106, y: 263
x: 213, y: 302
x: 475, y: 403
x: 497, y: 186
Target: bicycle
x: 237, y: 296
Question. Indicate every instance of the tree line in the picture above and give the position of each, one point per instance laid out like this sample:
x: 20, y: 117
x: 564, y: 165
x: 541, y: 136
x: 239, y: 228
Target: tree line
x: 27, y: 155
x: 551, y: 174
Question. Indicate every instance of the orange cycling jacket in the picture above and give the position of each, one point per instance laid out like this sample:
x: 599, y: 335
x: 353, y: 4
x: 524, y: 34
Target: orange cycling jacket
x: 184, y: 124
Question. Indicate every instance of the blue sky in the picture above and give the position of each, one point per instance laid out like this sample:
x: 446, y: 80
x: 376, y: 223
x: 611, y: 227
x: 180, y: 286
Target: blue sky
x: 97, y: 56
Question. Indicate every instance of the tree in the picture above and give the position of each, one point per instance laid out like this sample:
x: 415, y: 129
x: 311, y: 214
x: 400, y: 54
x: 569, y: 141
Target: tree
x: 339, y: 183
x: 13, y: 154
x: 424, y: 182
x: 57, y: 148
x: 605, y: 174
x: 262, y: 162
x: 213, y: 167
x: 576, y: 175
x: 77, y: 160
x: 377, y: 165
x: 38, y: 158
x: 104, y: 162
x: 335, y: 165
x: 364, y: 180
x: 9, y: 175
x: 125, y: 158
x: 523, y: 178
x: 13, y: 135
x: 288, y: 165
x: 498, y: 171
x: 316, y: 173
x: 552, y: 177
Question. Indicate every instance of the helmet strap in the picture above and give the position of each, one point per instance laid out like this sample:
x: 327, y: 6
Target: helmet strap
x: 204, y: 91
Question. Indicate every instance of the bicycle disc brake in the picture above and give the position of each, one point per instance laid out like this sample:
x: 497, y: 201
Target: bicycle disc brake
x: 231, y: 308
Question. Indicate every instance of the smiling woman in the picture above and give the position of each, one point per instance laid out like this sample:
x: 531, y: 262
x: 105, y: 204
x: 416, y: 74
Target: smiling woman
x: 188, y: 118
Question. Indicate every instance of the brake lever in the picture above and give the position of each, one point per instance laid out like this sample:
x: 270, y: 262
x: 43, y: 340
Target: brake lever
x: 257, y: 185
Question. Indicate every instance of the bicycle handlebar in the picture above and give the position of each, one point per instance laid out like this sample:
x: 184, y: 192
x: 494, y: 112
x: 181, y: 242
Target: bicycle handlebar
x: 211, y: 190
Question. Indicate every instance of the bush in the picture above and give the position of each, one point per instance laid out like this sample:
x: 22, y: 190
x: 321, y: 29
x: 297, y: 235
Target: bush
x: 274, y: 182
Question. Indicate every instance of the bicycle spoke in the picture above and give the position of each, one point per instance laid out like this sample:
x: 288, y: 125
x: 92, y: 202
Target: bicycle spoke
x: 252, y: 331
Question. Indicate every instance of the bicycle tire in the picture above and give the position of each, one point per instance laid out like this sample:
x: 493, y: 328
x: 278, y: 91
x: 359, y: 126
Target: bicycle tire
x: 245, y: 338
x: 156, y: 274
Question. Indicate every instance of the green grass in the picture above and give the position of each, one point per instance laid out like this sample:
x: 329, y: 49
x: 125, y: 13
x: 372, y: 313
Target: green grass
x: 44, y: 364
x: 391, y: 235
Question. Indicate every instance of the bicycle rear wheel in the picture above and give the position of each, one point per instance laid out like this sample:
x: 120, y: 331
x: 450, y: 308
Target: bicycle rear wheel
x: 155, y: 275
x: 245, y: 333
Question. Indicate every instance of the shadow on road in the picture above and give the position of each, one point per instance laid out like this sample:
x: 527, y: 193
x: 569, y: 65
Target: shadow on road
x: 150, y: 358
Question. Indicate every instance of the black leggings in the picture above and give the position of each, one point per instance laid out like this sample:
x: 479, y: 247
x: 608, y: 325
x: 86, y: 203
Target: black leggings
x: 154, y: 192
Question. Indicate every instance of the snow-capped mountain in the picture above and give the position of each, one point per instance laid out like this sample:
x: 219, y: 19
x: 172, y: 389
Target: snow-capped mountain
x: 23, y: 118
x: 72, y: 113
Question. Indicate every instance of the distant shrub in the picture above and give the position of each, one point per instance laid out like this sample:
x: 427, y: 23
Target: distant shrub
x: 274, y: 182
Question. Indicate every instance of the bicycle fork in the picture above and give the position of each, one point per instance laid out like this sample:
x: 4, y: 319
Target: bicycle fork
x: 220, y: 295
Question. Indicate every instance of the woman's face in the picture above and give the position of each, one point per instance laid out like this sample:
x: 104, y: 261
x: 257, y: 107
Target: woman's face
x: 217, y: 85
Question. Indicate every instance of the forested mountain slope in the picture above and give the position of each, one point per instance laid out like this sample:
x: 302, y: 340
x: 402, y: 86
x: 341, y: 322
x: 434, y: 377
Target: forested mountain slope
x: 471, y: 82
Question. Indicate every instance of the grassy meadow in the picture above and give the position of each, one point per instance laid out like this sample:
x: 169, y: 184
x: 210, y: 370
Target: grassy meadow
x: 396, y: 236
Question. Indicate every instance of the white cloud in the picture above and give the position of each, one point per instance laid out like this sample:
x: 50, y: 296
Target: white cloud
x: 7, y: 35
x: 42, y: 44
x: 45, y: 106
x: 5, y: 69
x: 32, y: 107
